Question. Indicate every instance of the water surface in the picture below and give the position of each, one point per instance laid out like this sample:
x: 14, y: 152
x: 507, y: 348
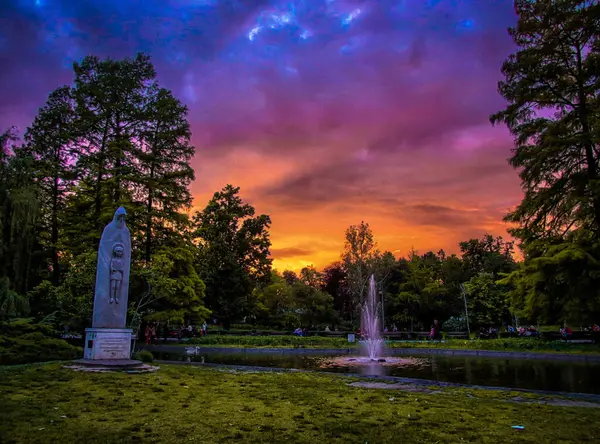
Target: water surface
x: 533, y: 374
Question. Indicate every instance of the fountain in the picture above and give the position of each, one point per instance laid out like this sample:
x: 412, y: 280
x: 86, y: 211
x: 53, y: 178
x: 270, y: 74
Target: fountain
x: 372, y: 344
x: 372, y: 361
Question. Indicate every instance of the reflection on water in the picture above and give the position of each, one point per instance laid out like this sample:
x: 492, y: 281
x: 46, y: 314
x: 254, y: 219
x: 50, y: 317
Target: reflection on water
x: 578, y: 377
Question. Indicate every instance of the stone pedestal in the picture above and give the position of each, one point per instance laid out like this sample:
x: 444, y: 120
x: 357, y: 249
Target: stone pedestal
x: 107, y: 344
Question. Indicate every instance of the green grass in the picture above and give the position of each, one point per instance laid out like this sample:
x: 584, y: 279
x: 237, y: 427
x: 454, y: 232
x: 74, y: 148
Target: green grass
x: 512, y: 344
x: 48, y: 404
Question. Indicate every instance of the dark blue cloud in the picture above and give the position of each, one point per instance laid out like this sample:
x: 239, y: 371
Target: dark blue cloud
x: 319, y: 50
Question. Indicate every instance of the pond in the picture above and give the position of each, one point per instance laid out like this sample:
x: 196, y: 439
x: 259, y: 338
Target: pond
x: 532, y: 374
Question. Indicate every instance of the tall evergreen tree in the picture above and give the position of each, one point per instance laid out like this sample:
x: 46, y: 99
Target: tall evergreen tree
x: 110, y: 98
x: 164, y: 173
x: 551, y: 85
x: 51, y: 142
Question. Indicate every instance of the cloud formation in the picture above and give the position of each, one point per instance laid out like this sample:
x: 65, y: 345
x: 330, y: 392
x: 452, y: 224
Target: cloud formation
x: 325, y: 112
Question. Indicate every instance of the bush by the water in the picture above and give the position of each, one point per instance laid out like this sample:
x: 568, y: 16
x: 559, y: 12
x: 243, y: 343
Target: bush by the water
x: 144, y: 356
x: 24, y: 342
x: 269, y: 341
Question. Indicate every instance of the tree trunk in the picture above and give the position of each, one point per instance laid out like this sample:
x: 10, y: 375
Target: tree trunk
x: 54, y: 232
x: 592, y: 169
x: 151, y: 199
x: 118, y: 161
x: 100, y: 177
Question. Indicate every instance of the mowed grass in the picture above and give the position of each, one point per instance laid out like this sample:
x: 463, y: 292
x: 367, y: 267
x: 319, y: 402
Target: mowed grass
x: 181, y: 404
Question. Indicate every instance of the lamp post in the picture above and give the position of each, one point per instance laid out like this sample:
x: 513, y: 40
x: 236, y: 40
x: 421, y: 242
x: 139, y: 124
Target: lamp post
x: 382, y: 311
x: 464, y: 293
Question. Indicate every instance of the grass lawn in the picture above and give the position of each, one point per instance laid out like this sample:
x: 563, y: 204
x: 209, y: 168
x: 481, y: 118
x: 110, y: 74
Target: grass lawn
x: 48, y: 404
x: 509, y: 344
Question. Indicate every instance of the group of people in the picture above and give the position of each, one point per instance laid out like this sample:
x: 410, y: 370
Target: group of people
x: 523, y: 331
x: 152, y: 328
x: 301, y: 332
x: 189, y: 332
x: 151, y: 333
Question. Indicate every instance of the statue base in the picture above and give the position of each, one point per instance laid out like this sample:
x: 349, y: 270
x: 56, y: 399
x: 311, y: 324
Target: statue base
x: 102, y: 344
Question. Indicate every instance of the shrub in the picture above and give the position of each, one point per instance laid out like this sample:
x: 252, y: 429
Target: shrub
x: 455, y: 323
x: 144, y: 356
x: 269, y: 341
x: 23, y: 342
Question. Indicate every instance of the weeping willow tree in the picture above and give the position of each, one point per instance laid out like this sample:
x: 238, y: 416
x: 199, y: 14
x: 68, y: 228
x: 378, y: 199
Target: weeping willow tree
x: 19, y: 211
x: 12, y: 304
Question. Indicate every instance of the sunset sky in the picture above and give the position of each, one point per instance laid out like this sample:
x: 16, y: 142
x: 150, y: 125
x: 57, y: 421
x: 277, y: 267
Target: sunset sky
x: 324, y: 112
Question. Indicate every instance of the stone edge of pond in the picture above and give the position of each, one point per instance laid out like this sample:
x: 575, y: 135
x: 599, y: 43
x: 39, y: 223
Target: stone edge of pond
x: 391, y: 351
x: 392, y: 379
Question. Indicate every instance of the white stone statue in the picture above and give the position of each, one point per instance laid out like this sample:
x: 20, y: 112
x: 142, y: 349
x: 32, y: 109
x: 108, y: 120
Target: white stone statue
x: 112, y: 275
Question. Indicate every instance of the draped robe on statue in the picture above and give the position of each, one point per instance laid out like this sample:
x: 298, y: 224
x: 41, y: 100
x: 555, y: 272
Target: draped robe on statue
x: 110, y: 312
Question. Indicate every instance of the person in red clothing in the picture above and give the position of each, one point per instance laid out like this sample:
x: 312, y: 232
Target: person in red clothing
x: 148, y: 334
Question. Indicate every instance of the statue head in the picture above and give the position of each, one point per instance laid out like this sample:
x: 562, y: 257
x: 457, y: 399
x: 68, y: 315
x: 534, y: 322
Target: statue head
x: 119, y: 217
x: 118, y: 250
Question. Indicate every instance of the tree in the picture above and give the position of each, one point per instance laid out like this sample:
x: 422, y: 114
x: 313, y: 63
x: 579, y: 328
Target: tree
x: 311, y: 277
x: 559, y: 281
x: 173, y: 290
x: 19, y: 215
x: 487, y: 255
x: 51, y: 143
x: 234, y: 253
x: 164, y: 171
x: 422, y: 295
x: 358, y: 258
x: 334, y: 283
x: 290, y: 277
x: 112, y: 99
x: 486, y: 301
x: 315, y: 306
x: 551, y: 85
x: 276, y: 303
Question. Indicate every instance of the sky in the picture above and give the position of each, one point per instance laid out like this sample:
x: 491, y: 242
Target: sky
x: 325, y: 112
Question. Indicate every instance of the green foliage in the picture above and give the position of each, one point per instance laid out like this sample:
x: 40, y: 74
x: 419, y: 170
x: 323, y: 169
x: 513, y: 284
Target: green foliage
x: 23, y: 342
x: 12, y: 305
x: 422, y: 295
x: 173, y: 288
x: 313, y: 306
x: 551, y: 85
x: 234, y: 253
x: 486, y: 301
x: 144, y: 356
x: 455, y: 323
x: 358, y: 258
x: 73, y: 299
x: 559, y: 282
x: 269, y: 341
x: 487, y: 255
x: 114, y: 137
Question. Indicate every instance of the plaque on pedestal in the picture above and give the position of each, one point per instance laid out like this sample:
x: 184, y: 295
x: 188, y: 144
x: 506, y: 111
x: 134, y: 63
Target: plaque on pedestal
x: 107, y: 343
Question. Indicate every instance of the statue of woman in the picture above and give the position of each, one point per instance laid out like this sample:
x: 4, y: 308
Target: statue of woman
x: 112, y: 274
